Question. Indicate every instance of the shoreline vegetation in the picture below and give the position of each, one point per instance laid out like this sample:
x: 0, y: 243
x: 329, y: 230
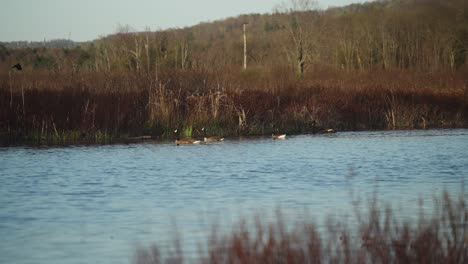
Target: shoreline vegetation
x: 379, y: 236
x: 57, y: 108
x: 372, y: 66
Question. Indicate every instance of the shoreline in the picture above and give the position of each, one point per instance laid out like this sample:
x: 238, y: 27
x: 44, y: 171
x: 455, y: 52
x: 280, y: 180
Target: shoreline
x: 114, y: 140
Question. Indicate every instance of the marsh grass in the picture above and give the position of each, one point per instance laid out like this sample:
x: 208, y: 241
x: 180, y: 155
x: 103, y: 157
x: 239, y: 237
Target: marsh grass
x: 37, y: 105
x: 380, y: 236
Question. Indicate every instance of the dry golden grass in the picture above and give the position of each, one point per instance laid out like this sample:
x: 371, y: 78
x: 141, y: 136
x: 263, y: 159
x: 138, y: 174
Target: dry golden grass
x: 43, y: 105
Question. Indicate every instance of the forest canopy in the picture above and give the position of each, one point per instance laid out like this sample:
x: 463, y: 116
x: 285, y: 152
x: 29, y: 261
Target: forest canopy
x: 423, y: 35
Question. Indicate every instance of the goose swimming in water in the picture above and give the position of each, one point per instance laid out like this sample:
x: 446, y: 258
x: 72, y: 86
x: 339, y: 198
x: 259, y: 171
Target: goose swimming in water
x: 211, y: 139
x: 185, y: 140
x: 278, y: 136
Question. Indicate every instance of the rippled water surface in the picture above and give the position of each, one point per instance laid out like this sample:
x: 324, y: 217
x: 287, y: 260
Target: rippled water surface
x: 96, y: 204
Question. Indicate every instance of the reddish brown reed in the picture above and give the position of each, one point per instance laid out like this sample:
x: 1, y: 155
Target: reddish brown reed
x: 380, y: 237
x: 258, y: 102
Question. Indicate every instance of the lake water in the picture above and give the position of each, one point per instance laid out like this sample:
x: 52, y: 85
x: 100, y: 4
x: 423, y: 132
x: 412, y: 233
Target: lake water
x: 96, y: 204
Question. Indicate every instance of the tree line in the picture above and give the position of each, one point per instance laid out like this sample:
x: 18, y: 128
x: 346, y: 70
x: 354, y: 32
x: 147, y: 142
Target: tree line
x: 423, y: 35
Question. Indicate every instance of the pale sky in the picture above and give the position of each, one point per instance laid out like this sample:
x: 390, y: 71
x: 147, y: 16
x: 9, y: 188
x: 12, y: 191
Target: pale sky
x: 81, y: 20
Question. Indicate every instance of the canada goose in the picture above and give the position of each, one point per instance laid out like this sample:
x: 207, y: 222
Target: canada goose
x: 185, y: 140
x: 210, y: 139
x: 278, y: 136
x: 17, y: 67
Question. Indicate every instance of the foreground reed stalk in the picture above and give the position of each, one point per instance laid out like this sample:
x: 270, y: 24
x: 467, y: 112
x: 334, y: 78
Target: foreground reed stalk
x: 379, y: 237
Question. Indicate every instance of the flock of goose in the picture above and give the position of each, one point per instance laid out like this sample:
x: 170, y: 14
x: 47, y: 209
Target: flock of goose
x: 196, y: 141
x: 216, y: 138
x: 179, y: 141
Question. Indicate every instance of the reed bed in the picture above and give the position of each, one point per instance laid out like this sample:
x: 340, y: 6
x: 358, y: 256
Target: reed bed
x: 45, y: 106
x: 379, y: 237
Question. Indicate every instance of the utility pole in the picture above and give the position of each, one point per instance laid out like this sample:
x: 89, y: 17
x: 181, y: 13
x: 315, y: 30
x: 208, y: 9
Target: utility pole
x: 245, y: 47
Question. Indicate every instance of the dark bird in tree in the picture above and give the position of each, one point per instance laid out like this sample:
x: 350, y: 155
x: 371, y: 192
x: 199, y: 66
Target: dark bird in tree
x: 17, y: 67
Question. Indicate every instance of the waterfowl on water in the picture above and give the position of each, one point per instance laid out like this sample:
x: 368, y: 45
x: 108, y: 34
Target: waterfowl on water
x: 210, y: 139
x: 185, y: 140
x: 330, y: 130
x: 278, y: 136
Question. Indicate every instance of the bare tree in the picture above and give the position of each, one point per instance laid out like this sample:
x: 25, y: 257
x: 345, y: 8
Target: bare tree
x: 147, y: 47
x: 302, y: 17
x: 133, y: 47
x: 185, y: 50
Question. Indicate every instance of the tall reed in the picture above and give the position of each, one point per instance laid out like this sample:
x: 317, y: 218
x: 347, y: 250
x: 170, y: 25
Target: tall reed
x: 379, y: 237
x: 41, y: 105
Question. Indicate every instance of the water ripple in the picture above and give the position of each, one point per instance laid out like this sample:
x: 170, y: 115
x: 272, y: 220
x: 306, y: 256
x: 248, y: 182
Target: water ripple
x: 56, y: 203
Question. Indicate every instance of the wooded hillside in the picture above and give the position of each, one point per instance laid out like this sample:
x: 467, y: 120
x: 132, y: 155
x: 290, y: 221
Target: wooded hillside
x: 427, y: 35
